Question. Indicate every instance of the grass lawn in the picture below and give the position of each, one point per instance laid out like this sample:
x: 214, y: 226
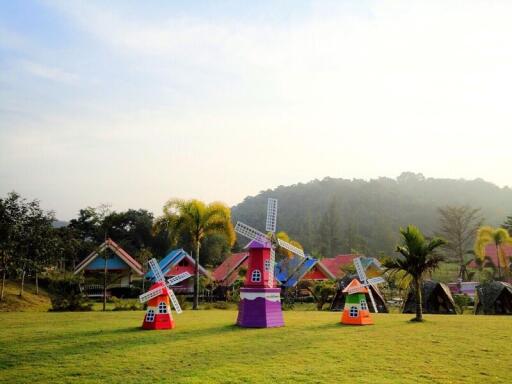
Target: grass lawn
x: 206, y: 347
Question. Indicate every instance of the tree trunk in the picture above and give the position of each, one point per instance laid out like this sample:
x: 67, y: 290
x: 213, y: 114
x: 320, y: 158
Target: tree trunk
x: 419, y: 301
x: 37, y: 284
x: 3, y: 286
x: 105, y: 285
x: 196, y: 278
x: 499, y: 264
x: 22, y: 283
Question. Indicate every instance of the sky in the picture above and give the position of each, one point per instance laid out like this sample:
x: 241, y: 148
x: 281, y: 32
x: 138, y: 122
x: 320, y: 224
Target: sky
x: 131, y: 103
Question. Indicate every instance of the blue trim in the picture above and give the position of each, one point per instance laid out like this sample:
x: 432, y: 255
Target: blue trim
x: 115, y: 263
x: 169, y: 261
x: 290, y: 271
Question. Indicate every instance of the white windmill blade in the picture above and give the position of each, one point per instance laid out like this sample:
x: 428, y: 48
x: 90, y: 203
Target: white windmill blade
x: 176, y: 279
x: 372, y: 300
x: 271, y: 268
x: 150, y: 294
x: 271, y: 215
x: 250, y: 232
x: 376, y: 280
x: 360, y: 270
x: 157, y: 272
x: 293, y: 249
x: 174, y: 301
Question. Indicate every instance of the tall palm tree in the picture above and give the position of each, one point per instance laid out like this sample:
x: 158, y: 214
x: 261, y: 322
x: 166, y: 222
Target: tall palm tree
x: 195, y: 220
x: 499, y: 237
x: 417, y: 258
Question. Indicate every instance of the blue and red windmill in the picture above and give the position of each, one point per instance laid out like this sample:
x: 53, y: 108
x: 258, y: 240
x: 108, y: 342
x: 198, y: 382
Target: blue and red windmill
x: 260, y: 301
x: 159, y: 298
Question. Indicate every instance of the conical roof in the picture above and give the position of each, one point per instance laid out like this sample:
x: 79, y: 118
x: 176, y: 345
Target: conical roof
x: 355, y: 287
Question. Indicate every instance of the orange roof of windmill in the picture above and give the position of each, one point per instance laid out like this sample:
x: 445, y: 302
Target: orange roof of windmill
x: 355, y: 287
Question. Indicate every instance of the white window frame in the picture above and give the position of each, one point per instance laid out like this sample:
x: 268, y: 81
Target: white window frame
x: 353, y: 311
x: 364, y: 305
x: 162, y: 307
x: 256, y: 276
x: 150, y: 316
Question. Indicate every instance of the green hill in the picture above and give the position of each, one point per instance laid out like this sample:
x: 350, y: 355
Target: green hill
x: 333, y: 216
x: 12, y: 302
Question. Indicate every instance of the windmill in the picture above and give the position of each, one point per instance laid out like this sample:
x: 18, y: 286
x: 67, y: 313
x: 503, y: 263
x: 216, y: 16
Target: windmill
x: 159, y: 298
x: 270, y: 240
x: 260, y: 302
x: 365, y: 281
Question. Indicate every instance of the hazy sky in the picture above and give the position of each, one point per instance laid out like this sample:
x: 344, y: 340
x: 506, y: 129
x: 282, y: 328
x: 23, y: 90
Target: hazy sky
x: 131, y: 103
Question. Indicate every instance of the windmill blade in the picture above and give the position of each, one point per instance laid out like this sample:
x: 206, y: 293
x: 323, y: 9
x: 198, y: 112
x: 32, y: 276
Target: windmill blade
x: 293, y: 249
x: 376, y: 280
x: 176, y: 279
x: 150, y: 294
x: 372, y: 300
x: 157, y: 272
x: 251, y: 233
x: 360, y: 270
x: 174, y: 301
x: 271, y: 215
x: 271, y: 268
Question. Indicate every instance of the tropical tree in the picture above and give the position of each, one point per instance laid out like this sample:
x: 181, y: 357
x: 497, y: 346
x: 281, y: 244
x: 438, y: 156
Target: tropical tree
x: 459, y: 225
x: 194, y: 221
x: 499, y: 238
x: 417, y: 258
x: 508, y: 225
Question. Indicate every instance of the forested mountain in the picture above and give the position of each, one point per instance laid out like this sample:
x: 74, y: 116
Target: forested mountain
x: 332, y: 216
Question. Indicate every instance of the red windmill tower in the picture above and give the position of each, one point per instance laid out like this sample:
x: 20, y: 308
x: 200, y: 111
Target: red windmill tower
x: 159, y: 298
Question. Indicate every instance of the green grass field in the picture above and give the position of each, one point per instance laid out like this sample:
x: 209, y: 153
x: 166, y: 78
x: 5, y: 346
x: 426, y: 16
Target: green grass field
x: 206, y: 347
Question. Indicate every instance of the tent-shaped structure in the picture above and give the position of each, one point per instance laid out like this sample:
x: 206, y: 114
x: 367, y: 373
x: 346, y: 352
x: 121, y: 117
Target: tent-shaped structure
x: 437, y: 299
x: 176, y: 262
x: 338, y: 303
x: 121, y: 265
x: 290, y: 271
x: 494, y: 298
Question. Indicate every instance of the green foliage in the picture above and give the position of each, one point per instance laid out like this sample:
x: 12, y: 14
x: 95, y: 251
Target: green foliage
x: 322, y: 291
x: 462, y: 302
x: 499, y: 238
x: 126, y: 305
x: 65, y: 293
x: 417, y: 258
x: 333, y: 216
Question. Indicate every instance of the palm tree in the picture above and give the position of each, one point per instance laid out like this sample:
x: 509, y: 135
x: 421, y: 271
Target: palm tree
x: 417, y: 258
x: 194, y: 220
x: 498, y: 237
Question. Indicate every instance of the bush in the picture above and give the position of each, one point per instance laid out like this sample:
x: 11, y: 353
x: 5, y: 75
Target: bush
x: 126, y: 305
x: 126, y: 292
x: 221, y: 305
x: 462, y: 302
x: 65, y: 294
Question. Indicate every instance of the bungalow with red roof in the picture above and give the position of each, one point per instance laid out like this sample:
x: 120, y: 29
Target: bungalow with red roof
x: 491, y: 257
x: 228, y: 272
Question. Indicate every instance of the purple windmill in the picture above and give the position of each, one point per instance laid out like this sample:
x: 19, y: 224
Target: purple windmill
x: 260, y: 301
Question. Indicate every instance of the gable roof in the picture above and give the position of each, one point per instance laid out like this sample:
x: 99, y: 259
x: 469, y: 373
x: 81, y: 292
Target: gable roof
x: 172, y: 259
x: 488, y: 293
x: 334, y: 264
x: 356, y: 287
x: 118, y: 251
x: 492, y: 256
x: 226, y: 272
x: 290, y: 271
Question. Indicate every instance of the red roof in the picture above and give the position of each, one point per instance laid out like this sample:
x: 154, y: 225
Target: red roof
x: 334, y: 264
x: 490, y: 252
x: 226, y: 272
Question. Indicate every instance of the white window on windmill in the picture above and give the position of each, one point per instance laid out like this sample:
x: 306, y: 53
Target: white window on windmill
x: 150, y: 316
x: 267, y: 265
x: 256, y: 276
x: 162, y: 307
x: 353, y: 311
x: 364, y: 305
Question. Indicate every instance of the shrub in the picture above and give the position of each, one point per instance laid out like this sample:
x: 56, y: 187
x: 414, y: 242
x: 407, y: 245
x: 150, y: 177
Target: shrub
x: 126, y: 292
x: 462, y: 302
x: 221, y: 305
x: 126, y: 305
x: 65, y: 294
